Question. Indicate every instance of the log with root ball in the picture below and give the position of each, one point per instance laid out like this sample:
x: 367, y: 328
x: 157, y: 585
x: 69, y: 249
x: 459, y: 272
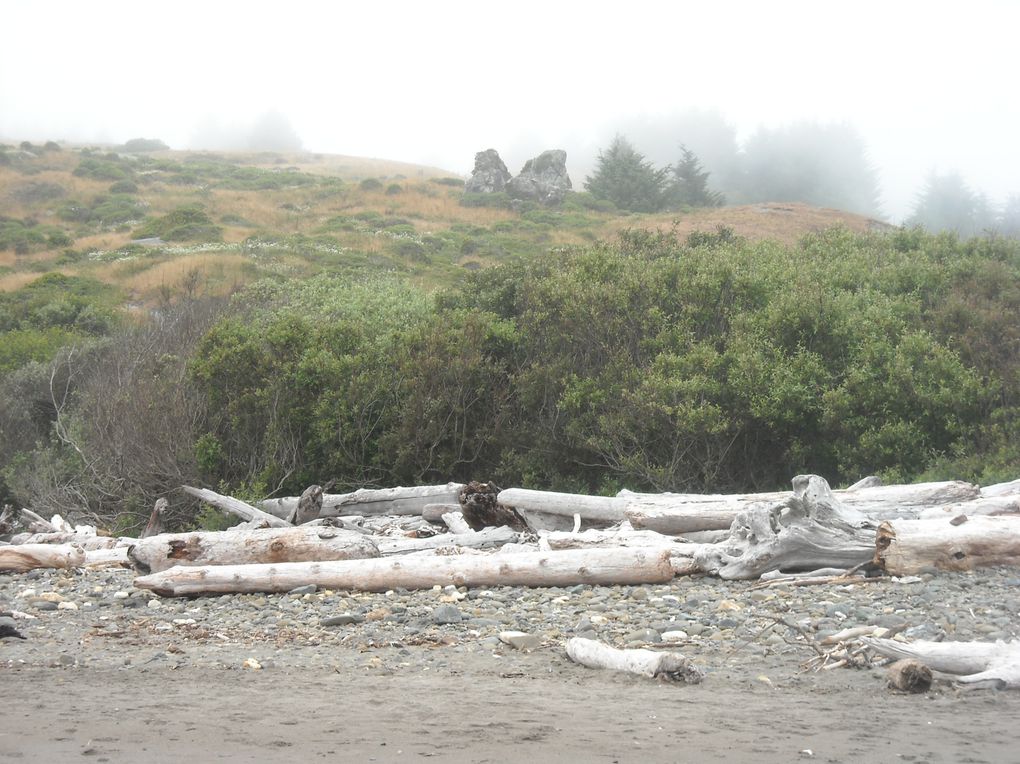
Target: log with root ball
x: 954, y: 543
x: 649, y: 663
x: 977, y: 664
x: 603, y: 567
x: 811, y: 529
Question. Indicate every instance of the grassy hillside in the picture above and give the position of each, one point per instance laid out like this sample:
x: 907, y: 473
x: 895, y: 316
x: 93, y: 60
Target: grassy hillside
x: 245, y: 216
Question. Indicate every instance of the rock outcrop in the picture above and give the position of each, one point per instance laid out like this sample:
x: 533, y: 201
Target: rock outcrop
x: 490, y: 174
x: 544, y: 179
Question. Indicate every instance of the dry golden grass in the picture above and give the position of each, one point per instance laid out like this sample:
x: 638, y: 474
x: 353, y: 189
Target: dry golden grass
x: 785, y: 222
x: 14, y: 281
x: 214, y: 273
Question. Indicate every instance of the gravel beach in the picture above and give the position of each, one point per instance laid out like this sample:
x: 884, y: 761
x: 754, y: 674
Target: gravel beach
x: 111, y: 672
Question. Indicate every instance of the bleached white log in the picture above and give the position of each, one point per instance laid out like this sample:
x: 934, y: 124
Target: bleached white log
x: 114, y: 557
x: 88, y: 543
x: 233, y: 547
x: 585, y: 566
x: 811, y: 529
x: 372, y: 501
x: 594, y: 510
x: 484, y: 539
x: 235, y: 507
x: 24, y: 557
x: 676, y: 513
x: 960, y: 543
x: 994, y: 664
x: 594, y: 538
x: 37, y: 523
x: 456, y: 523
x: 986, y: 505
x: 648, y: 663
x: 1002, y: 489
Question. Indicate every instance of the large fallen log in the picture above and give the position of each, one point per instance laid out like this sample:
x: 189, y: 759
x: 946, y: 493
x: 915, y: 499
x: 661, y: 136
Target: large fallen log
x: 1008, y: 504
x: 371, y: 501
x: 587, y: 566
x: 22, y: 557
x: 649, y: 663
x: 811, y: 529
x: 233, y: 547
x: 555, y: 511
x: 236, y: 507
x: 86, y: 542
x: 676, y: 513
x: 983, y: 664
x: 904, y: 547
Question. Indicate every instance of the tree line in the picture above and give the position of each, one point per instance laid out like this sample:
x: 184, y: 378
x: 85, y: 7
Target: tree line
x: 652, y: 362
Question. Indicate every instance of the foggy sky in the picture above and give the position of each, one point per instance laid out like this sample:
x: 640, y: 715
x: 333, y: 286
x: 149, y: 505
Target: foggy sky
x: 931, y: 86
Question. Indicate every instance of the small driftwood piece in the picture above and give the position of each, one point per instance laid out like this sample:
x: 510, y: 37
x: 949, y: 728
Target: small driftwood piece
x: 456, y: 523
x: 235, y: 507
x: 22, y: 557
x: 433, y: 513
x: 606, y: 567
x: 234, y: 547
x: 978, y: 664
x: 909, y: 675
x: 960, y: 543
x: 649, y: 663
x: 36, y: 523
x: 371, y: 501
x: 811, y: 529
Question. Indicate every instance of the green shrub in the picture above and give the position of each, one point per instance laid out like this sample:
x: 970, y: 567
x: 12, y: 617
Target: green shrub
x: 498, y: 200
x: 393, y: 189
x: 142, y: 145
x: 370, y: 184
x: 124, y: 187
x: 453, y: 182
x: 187, y: 223
x: 102, y: 169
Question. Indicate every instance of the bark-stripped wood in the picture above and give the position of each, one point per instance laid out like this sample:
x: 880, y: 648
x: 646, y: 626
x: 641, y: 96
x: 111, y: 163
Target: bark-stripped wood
x: 433, y: 513
x: 156, y: 524
x: 587, y: 566
x: 903, y: 547
x: 534, y: 506
x: 235, y: 507
x: 683, y: 513
x: 371, y: 501
x: 988, y: 664
x: 811, y: 529
x: 22, y: 557
x: 456, y: 523
x: 233, y: 547
x: 650, y: 663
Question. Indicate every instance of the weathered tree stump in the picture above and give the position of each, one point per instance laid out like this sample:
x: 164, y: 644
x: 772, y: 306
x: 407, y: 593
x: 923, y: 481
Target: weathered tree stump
x: 480, y: 508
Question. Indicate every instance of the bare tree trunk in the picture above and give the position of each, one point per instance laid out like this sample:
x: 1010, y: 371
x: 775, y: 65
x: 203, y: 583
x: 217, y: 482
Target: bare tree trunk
x: 587, y: 566
x: 236, y: 507
x: 684, y: 513
x: 961, y: 543
x: 233, y: 547
x: 370, y: 501
x: 24, y: 557
x: 560, y: 508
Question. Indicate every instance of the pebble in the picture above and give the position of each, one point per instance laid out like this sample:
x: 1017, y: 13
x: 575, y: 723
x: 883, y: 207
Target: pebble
x: 447, y: 614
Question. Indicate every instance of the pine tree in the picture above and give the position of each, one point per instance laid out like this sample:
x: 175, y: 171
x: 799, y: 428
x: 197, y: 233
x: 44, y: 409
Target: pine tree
x: 689, y: 184
x: 625, y: 178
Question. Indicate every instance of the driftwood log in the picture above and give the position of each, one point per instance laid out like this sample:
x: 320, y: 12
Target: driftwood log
x: 959, y: 543
x: 811, y: 529
x: 22, y: 557
x: 588, y: 566
x: 549, y: 510
x: 980, y: 664
x: 236, y: 507
x: 371, y: 501
x: 157, y: 520
x: 649, y: 663
x: 233, y: 547
x: 684, y: 513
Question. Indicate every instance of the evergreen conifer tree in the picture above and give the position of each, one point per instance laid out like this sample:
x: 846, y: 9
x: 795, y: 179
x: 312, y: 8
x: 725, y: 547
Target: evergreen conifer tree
x: 689, y: 183
x: 627, y: 179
